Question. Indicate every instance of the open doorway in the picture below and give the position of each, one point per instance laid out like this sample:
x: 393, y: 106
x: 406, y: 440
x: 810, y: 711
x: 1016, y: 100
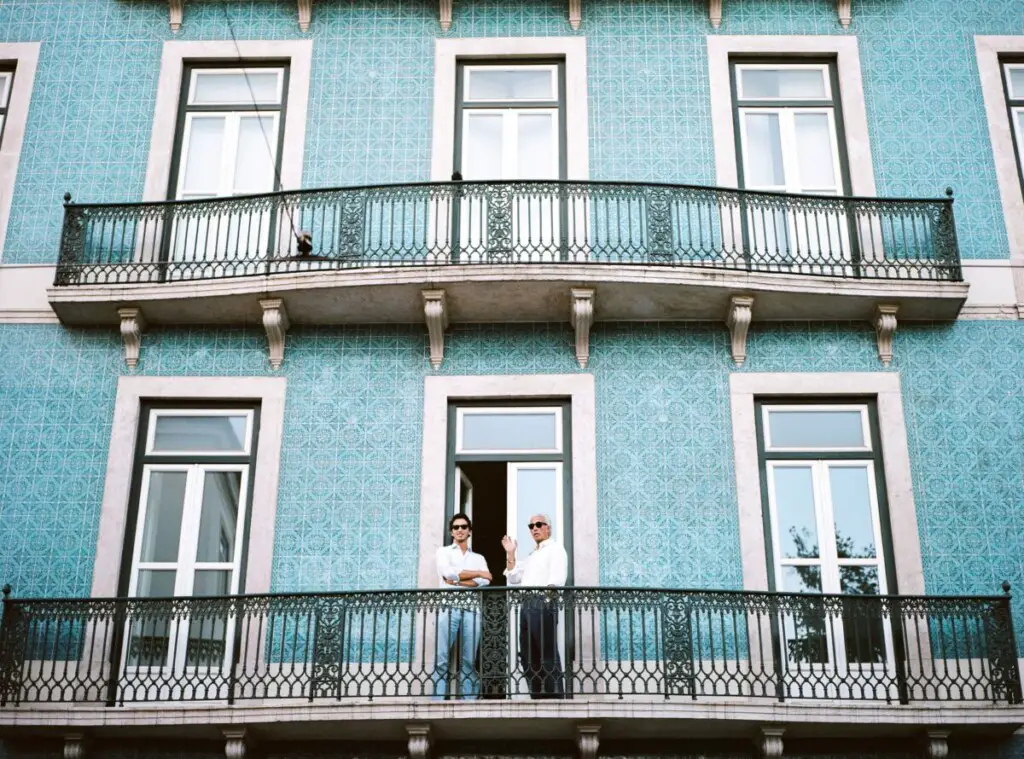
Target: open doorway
x: 484, y: 487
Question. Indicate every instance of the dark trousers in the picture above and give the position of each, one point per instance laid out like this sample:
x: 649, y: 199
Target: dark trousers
x: 538, y: 649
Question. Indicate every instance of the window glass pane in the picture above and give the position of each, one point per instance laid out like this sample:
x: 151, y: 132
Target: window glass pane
x: 202, y: 155
x: 257, y: 146
x: 815, y: 151
x: 155, y: 583
x: 219, y: 516
x: 782, y: 84
x: 1015, y: 78
x: 763, y: 150
x: 804, y: 635
x: 482, y: 149
x: 536, y: 146
x: 851, y: 503
x: 801, y: 579
x: 536, y: 491
x: 510, y: 84
x: 207, y: 633
x: 861, y: 581
x: 509, y: 432
x: 816, y: 429
x: 212, y: 582
x: 165, y: 502
x: 794, y: 507
x: 231, y: 88
x: 863, y: 628
x: 5, y: 89
x: 149, y: 637
x: 177, y: 434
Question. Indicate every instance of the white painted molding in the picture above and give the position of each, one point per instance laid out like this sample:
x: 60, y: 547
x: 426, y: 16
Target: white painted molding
x: 885, y: 328
x: 741, y: 311
x: 419, y: 740
x: 582, y: 318
x: 305, y: 14
x: 844, y: 9
x: 770, y: 742
x: 133, y: 324
x: 275, y: 321
x: 26, y: 58
x: 176, y: 9
x: 435, y: 311
x: 75, y: 745
x: 937, y: 744
x: 445, y: 14
x: 715, y: 13
x: 575, y: 13
x: 236, y: 742
x: 588, y: 740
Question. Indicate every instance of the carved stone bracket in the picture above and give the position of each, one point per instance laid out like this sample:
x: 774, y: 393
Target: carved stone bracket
x: 75, y: 745
x: 885, y: 328
x: 419, y: 741
x: 575, y: 13
x: 741, y: 311
x: 588, y: 740
x: 177, y: 13
x: 237, y: 742
x: 445, y: 9
x: 936, y: 744
x: 715, y: 12
x: 133, y: 324
x: 845, y: 11
x: 305, y: 14
x: 275, y: 321
x: 770, y: 742
x: 582, y: 317
x: 435, y: 311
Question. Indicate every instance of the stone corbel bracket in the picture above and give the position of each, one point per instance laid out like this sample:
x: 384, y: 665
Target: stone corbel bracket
x: 741, y: 311
x: 770, y: 742
x: 305, y: 14
x: 133, y: 324
x: 445, y: 11
x: 237, y: 742
x: 435, y: 311
x: 588, y: 740
x: 575, y: 13
x: 885, y: 328
x: 715, y: 12
x: 275, y: 321
x: 581, y: 317
x: 936, y: 744
x: 75, y: 745
x: 177, y: 14
x: 419, y: 741
x: 844, y: 9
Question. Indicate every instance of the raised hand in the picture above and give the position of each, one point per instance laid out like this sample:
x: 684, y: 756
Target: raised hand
x: 510, y: 545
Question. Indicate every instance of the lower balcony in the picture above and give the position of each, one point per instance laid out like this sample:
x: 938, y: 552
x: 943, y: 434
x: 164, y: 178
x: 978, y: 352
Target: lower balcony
x: 705, y: 663
x: 509, y: 251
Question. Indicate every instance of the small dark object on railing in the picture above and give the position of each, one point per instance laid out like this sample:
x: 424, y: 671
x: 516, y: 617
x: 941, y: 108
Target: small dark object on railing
x: 304, y: 243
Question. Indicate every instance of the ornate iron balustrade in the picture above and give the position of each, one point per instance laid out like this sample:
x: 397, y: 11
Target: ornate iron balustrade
x: 619, y: 643
x: 525, y: 222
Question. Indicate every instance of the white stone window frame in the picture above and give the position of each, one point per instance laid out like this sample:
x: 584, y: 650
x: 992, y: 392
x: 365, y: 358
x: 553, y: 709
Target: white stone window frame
x: 269, y: 392
x: 885, y: 389
x: 299, y: 53
x: 988, y: 49
x: 440, y: 391
x: 447, y: 53
x: 25, y: 59
x: 721, y: 48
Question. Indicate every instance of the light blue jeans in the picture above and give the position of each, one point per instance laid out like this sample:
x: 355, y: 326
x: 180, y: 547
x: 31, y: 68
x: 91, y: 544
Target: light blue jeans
x: 450, y: 622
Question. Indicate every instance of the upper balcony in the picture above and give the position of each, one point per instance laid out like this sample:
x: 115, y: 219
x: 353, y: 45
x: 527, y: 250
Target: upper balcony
x: 507, y: 252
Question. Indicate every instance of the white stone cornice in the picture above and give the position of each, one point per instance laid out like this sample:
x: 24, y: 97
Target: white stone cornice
x: 435, y: 311
x: 575, y: 13
x: 885, y: 328
x: 770, y: 742
x: 133, y: 324
x: 445, y: 10
x: 937, y: 744
x: 275, y: 321
x: 588, y: 740
x: 177, y: 14
x: 741, y: 311
x: 715, y: 12
x: 75, y: 745
x: 237, y: 742
x: 845, y: 11
x: 419, y: 740
x: 582, y: 318
x: 305, y: 14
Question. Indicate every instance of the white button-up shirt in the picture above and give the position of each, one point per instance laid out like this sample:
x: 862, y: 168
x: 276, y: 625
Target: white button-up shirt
x: 547, y: 565
x: 451, y: 560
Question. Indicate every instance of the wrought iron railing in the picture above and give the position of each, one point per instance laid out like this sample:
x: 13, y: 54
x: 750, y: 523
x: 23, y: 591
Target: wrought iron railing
x: 564, y: 642
x: 525, y: 222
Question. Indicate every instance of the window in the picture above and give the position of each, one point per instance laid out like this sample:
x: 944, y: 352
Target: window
x: 6, y: 82
x: 825, y: 517
x: 1013, y: 82
x: 18, y: 61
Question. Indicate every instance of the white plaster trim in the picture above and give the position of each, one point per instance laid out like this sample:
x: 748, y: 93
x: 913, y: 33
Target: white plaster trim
x: 269, y: 391
x: 580, y: 389
x: 885, y: 386
x: 988, y: 49
x: 990, y: 313
x: 26, y: 58
x: 23, y: 294
x: 851, y: 93
x: 161, y: 142
x: 573, y: 49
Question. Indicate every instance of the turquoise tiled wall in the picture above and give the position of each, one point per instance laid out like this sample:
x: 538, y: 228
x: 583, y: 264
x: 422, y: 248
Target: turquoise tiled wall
x: 370, y: 98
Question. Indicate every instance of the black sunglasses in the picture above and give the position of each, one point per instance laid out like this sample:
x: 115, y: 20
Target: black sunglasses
x: 460, y: 526
x: 538, y: 525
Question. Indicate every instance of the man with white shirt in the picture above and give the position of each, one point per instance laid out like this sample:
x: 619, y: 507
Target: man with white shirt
x: 547, y: 566
x: 459, y: 568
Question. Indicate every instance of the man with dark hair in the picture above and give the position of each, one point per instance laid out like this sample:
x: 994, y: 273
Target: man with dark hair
x: 459, y: 568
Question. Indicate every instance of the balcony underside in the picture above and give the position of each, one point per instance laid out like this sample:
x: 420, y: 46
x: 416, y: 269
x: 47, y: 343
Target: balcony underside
x: 510, y: 293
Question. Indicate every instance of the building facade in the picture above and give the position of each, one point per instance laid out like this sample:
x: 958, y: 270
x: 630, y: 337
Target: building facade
x: 683, y: 277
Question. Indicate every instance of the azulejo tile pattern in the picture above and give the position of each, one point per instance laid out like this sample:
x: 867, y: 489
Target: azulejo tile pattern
x: 372, y: 81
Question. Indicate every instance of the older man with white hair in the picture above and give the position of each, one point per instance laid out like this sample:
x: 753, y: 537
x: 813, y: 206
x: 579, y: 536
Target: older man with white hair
x: 546, y: 566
